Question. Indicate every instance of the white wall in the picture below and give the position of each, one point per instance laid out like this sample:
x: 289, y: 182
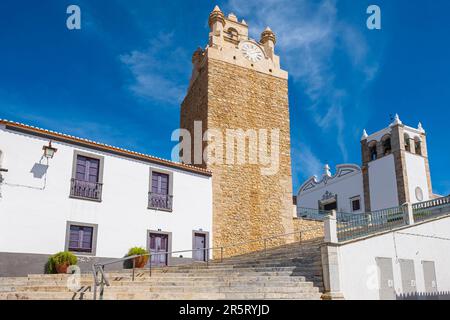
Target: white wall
x: 345, y: 188
x: 33, y: 220
x: 358, y: 271
x: 417, y: 176
x: 382, y: 183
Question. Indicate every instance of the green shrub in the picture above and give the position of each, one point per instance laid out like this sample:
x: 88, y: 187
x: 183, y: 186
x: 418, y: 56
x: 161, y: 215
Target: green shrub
x: 60, y: 258
x: 135, y: 251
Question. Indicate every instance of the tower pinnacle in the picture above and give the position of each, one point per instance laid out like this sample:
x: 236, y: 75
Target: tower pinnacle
x: 215, y: 17
x: 364, y: 135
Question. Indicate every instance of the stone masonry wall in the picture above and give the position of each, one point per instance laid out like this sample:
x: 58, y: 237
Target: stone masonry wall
x: 246, y: 204
x: 309, y: 229
x: 365, y: 156
x: 398, y: 147
x: 195, y: 108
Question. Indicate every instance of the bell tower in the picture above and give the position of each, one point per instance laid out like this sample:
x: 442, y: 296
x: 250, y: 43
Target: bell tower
x: 395, y: 166
x: 237, y: 86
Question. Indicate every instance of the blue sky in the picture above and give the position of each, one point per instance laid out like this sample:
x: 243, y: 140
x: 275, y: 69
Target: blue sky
x: 121, y: 78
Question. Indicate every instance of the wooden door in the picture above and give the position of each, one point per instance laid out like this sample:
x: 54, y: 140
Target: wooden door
x: 199, y: 243
x: 159, y: 245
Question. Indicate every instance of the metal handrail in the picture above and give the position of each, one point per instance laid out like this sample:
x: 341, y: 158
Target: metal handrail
x: 363, y: 224
x: 99, y: 267
x: 312, y: 214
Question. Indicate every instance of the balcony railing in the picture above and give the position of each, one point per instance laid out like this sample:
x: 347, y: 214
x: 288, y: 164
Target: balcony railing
x: 160, y: 201
x: 86, y: 190
x: 312, y: 214
x: 431, y: 209
x: 352, y: 226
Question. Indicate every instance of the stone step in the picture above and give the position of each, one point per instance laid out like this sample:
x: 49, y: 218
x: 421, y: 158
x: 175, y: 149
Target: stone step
x: 216, y: 267
x: 146, y: 279
x: 246, y: 271
x: 145, y: 275
x: 287, y: 264
x: 288, y: 272
x: 300, y: 255
x: 159, y: 296
x: 165, y: 278
x: 178, y: 289
x: 294, y: 282
x: 267, y: 263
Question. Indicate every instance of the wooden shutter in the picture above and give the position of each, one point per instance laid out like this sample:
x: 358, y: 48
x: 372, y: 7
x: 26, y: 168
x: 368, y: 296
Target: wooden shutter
x: 74, y: 239
x: 81, y: 168
x: 87, y: 169
x: 86, y: 238
x: 160, y: 183
x: 81, y: 238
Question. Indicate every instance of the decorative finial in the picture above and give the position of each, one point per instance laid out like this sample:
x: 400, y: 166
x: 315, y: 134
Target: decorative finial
x: 397, y: 120
x: 244, y: 22
x: 232, y: 17
x: 268, y: 35
x: 420, y: 128
x: 327, y: 170
x: 216, y: 16
x: 364, y: 135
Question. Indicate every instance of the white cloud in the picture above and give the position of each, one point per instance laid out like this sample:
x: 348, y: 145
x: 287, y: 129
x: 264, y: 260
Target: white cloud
x: 308, y: 34
x: 160, y: 72
x: 306, y: 164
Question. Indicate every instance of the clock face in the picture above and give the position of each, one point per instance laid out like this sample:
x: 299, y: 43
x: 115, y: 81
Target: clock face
x: 252, y: 52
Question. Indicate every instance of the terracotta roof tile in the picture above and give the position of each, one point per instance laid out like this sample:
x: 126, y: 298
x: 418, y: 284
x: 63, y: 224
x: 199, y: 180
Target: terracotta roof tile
x: 104, y: 147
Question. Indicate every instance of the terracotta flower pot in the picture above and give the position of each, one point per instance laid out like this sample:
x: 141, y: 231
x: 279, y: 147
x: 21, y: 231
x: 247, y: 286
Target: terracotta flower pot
x: 62, y: 268
x: 140, y: 262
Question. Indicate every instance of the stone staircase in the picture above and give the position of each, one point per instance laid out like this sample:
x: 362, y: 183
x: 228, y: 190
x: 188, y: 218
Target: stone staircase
x: 288, y: 272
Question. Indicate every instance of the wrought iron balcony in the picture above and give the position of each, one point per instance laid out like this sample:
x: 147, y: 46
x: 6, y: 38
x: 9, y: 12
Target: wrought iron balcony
x: 86, y: 190
x: 160, y: 201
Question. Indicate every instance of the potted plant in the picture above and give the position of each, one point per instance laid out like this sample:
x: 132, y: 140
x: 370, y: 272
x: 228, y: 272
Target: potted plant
x: 139, y: 262
x: 59, y: 262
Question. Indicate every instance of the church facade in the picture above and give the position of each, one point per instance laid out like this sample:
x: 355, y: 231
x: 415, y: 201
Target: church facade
x: 394, y: 171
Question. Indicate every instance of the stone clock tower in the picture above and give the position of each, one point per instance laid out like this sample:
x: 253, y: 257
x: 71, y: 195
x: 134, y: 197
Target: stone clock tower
x: 237, y: 83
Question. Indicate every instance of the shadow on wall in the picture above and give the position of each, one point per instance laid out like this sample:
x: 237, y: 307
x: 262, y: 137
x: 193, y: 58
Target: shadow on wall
x: 39, y: 170
x: 443, y: 295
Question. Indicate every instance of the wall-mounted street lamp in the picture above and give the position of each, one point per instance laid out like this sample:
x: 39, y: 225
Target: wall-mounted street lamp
x: 49, y: 151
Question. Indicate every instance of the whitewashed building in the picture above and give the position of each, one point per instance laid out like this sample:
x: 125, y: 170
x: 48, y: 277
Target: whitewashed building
x: 59, y: 192
x: 394, y: 171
